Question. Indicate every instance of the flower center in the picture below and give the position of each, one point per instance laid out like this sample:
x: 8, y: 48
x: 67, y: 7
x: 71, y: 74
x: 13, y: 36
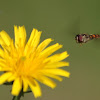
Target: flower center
x: 23, y: 58
x: 21, y: 68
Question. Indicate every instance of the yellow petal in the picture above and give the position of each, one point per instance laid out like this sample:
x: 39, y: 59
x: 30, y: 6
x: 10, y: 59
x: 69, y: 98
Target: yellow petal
x: 16, y: 33
x: 2, y: 64
x: 1, y: 53
x: 36, y: 39
x: 49, y: 50
x: 11, y: 78
x: 25, y: 84
x: 2, y: 43
x: 17, y: 86
x: 53, y: 76
x: 33, y: 33
x: 2, y: 60
x: 44, y: 44
x: 5, y: 38
x: 20, y: 36
x: 47, y: 81
x: 56, y: 72
x: 33, y: 40
x: 4, y: 67
x: 56, y: 57
x: 57, y: 64
x: 12, y: 49
x: 34, y: 87
x: 4, y: 77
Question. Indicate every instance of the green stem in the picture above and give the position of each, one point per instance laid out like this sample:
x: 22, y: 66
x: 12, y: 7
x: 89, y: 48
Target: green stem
x: 16, y: 98
x: 19, y: 96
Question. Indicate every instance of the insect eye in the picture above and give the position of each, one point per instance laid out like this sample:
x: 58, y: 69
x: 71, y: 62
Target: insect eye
x: 76, y: 37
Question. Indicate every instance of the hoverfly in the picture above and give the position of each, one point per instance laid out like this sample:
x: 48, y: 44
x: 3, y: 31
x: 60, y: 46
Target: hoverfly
x: 83, y: 38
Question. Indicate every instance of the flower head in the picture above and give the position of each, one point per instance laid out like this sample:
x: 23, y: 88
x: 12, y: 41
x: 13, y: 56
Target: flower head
x: 26, y: 64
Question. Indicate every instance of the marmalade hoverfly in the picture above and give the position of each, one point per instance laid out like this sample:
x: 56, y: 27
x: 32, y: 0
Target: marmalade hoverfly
x: 83, y: 38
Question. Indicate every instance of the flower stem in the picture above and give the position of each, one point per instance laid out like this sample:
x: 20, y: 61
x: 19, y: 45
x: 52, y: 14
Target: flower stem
x: 16, y: 98
x: 19, y: 96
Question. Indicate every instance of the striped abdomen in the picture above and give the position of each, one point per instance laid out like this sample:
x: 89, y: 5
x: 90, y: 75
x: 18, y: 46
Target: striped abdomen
x: 94, y: 36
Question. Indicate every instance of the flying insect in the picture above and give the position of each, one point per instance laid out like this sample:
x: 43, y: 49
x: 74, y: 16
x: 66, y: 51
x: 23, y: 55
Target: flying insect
x: 83, y: 38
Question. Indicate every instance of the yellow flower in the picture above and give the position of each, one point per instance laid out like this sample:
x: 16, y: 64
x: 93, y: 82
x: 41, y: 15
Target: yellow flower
x: 26, y: 63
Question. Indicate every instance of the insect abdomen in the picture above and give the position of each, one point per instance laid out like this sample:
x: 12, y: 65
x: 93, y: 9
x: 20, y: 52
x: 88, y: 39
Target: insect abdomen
x: 94, y: 36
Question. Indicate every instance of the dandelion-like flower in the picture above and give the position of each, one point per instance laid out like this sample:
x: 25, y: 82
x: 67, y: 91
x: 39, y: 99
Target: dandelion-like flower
x: 26, y: 64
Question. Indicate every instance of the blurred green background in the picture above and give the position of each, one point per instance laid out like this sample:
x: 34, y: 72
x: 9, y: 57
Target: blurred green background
x: 60, y: 20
